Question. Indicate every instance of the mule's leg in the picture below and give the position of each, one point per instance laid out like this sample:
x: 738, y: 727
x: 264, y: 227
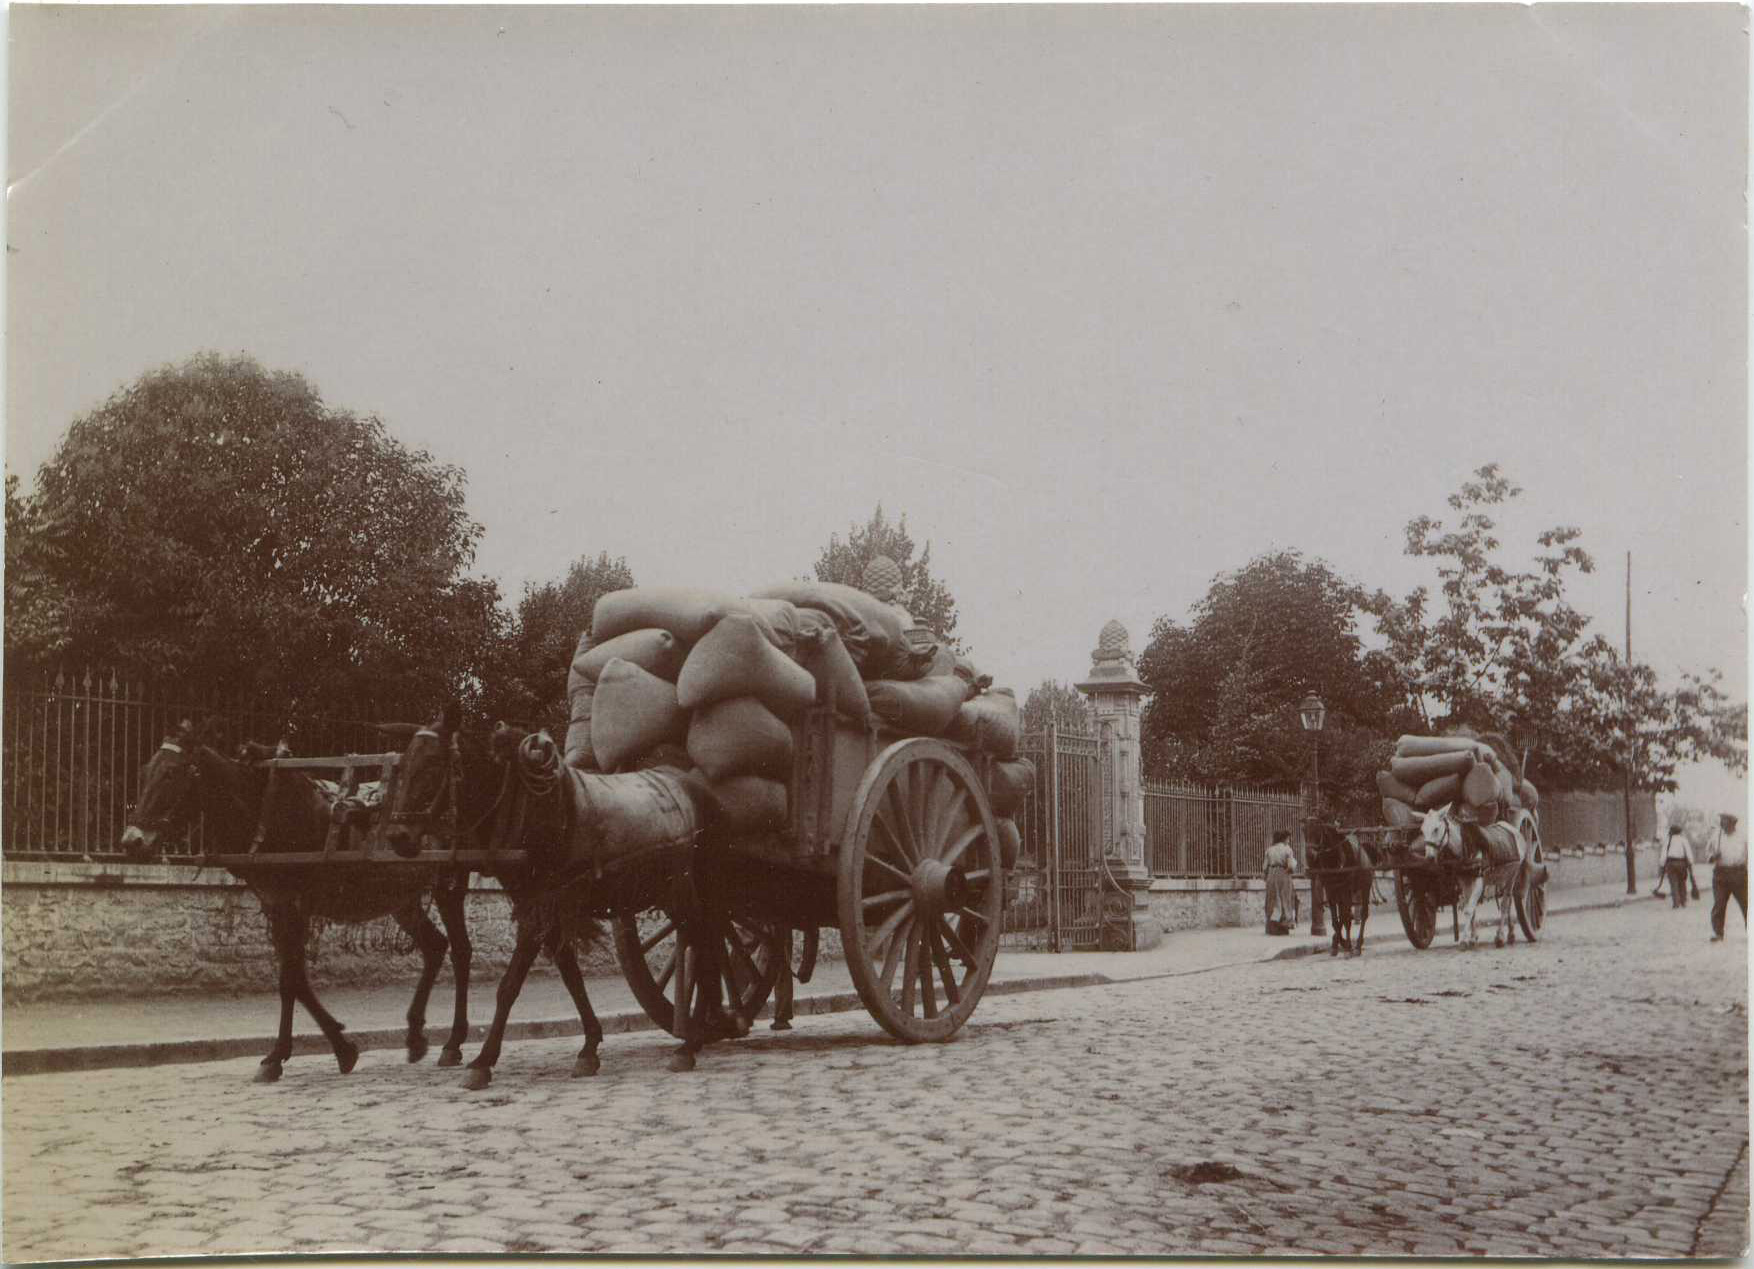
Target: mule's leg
x: 419, y: 927
x: 346, y: 1052
x: 567, y: 962
x: 1361, y: 901
x: 451, y: 897
x: 286, y: 932
x: 1470, y: 918
x: 782, y: 988
x: 523, y: 956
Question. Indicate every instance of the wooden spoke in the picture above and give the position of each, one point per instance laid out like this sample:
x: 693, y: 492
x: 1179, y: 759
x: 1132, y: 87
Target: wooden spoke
x: 906, y: 837
x: 952, y: 811
x: 891, y: 923
x: 941, y: 958
x: 663, y: 979
x: 970, y: 912
x: 910, y: 972
x: 902, y: 845
x: 892, y: 954
x: 928, y: 995
x: 956, y: 943
x: 977, y: 876
x: 647, y: 945
x: 968, y: 837
x: 889, y: 868
x: 888, y: 896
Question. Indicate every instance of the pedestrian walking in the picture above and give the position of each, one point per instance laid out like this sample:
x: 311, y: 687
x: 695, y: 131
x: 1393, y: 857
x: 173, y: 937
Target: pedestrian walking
x: 1278, y: 865
x: 1663, y: 874
x: 1677, y: 866
x: 1729, y: 874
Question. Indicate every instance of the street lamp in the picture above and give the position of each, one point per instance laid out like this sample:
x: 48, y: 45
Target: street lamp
x: 1314, y: 714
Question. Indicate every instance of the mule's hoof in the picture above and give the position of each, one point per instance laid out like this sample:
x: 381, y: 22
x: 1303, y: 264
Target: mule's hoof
x: 417, y: 1050
x: 267, y: 1073
x: 681, y: 1060
x: 780, y: 1024
x: 450, y: 1057
x: 346, y: 1056
x: 478, y: 1078
x: 586, y: 1064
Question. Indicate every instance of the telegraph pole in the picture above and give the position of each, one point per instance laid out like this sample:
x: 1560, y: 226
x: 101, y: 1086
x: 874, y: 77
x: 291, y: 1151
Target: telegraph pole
x: 1631, y: 870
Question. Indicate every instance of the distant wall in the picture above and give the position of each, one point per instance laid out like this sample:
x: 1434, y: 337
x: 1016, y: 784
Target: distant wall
x: 73, y: 931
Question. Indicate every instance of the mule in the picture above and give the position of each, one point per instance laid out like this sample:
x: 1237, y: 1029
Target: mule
x: 1348, y: 874
x: 1492, y: 853
x: 188, y: 776
x: 510, y: 791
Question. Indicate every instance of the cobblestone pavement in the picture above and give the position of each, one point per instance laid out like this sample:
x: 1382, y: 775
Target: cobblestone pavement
x: 1585, y: 1097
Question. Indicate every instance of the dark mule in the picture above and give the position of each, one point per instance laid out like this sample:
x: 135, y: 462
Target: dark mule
x: 512, y: 792
x: 188, y: 776
x: 1348, y: 872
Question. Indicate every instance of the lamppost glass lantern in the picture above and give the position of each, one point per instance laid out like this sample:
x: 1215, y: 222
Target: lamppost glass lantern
x: 1314, y: 714
x: 1313, y: 711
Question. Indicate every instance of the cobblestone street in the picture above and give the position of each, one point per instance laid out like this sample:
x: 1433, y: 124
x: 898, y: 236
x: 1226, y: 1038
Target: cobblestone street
x: 1585, y: 1097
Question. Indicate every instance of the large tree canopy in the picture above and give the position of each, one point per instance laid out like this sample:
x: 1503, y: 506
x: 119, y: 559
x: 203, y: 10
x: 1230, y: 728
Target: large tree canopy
x: 1501, y: 649
x: 923, y: 595
x: 526, y: 678
x: 219, y: 524
x: 1060, y: 704
x: 1227, y: 685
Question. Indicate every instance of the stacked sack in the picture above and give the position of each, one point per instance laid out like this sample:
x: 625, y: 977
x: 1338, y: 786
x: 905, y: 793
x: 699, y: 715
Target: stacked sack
x: 1427, y: 772
x: 714, y: 681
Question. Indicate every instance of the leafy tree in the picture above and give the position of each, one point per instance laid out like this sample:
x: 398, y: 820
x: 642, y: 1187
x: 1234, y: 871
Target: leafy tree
x: 1502, y: 650
x: 220, y: 525
x: 923, y: 595
x: 1226, y: 687
x: 527, y: 678
x: 1058, y: 703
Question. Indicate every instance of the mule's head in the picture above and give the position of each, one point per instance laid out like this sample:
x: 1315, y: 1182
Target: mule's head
x: 425, y: 789
x: 1441, y: 833
x: 168, y: 791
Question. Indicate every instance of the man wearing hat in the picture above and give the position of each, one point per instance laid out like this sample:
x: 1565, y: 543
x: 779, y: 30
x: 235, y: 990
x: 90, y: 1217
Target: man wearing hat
x: 1729, y: 852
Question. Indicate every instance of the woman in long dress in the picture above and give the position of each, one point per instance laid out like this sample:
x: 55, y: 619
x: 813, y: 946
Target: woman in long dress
x: 1278, y: 865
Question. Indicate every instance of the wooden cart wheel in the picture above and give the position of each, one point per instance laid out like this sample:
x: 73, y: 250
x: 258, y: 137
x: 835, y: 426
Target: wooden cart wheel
x: 1531, y: 894
x: 1418, y: 908
x: 919, y: 889
x: 651, y: 964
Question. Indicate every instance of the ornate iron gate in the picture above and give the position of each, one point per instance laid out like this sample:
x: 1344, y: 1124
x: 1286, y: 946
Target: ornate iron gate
x: 1055, y: 904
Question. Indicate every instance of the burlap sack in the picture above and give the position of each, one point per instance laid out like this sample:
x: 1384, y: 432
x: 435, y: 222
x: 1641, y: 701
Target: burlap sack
x: 740, y: 737
x: 634, y: 710
x: 1010, y: 843
x: 926, y: 707
x: 684, y: 612
x: 990, y: 723
x: 655, y: 651
x: 1427, y: 746
x: 1527, y: 795
x: 871, y: 629
x: 1011, y: 783
x: 1479, y: 786
x: 750, y: 804
x: 778, y: 621
x: 1434, y: 793
x: 734, y: 659
x: 822, y: 653
x: 1398, y: 813
x: 578, y: 728
x: 1389, y: 787
x: 1416, y: 771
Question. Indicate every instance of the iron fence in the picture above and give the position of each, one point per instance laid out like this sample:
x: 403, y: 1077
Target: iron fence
x: 1192, y: 831
x: 73, y: 747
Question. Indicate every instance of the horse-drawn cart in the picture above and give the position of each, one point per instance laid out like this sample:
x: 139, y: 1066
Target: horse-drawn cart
x: 1426, y: 881
x: 889, y: 841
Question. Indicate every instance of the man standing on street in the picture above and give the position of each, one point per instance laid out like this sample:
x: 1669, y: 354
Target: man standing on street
x: 1729, y: 852
x: 1677, y: 864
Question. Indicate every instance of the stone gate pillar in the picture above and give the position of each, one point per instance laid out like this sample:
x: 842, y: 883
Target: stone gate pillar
x: 1115, y: 693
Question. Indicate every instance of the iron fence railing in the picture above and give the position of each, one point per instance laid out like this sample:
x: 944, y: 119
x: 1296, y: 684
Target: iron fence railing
x: 73, y: 747
x: 1194, y: 831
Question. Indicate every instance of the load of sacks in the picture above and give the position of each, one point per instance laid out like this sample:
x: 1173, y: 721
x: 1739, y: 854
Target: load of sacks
x: 1479, y: 772
x: 713, y: 682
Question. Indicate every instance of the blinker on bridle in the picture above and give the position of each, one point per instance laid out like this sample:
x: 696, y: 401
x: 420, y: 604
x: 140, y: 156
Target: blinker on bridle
x: 447, y: 786
x: 162, y: 822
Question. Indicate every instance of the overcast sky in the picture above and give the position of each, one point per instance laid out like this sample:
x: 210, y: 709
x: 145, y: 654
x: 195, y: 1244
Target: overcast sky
x: 1105, y: 300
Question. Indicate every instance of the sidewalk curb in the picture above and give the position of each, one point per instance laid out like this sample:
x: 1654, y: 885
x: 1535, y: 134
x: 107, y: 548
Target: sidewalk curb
x: 1399, y: 935
x: 177, y: 1052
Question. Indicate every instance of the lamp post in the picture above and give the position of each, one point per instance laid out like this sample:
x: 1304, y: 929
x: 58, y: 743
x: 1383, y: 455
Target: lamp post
x: 1314, y: 714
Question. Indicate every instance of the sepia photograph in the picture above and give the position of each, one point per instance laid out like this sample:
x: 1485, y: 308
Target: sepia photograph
x: 1014, y: 631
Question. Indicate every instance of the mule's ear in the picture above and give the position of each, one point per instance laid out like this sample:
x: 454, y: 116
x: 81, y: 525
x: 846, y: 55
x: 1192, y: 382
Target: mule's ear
x: 397, y: 731
x: 211, y: 733
x: 451, y: 718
